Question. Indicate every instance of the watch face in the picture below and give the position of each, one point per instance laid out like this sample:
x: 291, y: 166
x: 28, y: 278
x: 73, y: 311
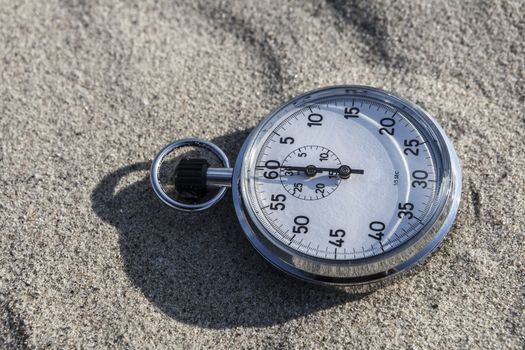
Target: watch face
x: 345, y: 175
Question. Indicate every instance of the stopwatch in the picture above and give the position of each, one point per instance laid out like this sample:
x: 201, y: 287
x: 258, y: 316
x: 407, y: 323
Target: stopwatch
x: 344, y: 186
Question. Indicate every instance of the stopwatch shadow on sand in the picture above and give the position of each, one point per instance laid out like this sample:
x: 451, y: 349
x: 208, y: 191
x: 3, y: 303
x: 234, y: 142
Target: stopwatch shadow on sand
x: 198, y: 267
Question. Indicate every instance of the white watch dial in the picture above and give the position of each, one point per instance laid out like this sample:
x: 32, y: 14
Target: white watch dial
x: 342, y: 179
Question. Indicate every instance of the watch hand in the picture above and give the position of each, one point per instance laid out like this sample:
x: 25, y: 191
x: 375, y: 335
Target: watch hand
x: 343, y: 171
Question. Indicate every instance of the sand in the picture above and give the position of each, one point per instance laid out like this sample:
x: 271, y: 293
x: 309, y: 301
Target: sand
x: 91, y: 90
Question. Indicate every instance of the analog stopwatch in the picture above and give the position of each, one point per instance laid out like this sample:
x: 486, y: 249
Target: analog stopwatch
x: 345, y: 185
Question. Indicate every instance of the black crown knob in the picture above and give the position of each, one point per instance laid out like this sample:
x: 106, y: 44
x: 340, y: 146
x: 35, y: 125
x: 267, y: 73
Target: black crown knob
x: 190, y: 177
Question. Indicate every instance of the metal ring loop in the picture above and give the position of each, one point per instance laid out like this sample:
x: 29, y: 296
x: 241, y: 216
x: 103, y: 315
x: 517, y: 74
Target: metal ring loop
x: 155, y: 170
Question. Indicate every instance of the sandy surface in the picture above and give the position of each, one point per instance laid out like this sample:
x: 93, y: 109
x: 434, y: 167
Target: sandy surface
x: 90, y: 90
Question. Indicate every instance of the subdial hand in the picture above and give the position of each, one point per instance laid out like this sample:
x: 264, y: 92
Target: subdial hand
x: 344, y: 171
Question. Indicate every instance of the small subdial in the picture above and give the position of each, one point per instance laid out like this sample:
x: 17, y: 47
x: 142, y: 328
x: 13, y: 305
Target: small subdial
x: 310, y: 172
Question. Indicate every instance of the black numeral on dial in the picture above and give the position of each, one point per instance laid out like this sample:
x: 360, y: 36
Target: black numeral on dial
x: 351, y: 112
x: 411, y: 147
x: 297, y: 187
x: 277, y: 198
x: 286, y: 140
x: 332, y: 174
x: 420, y: 177
x: 301, y: 223
x: 388, y: 124
x: 315, y: 119
x: 271, y: 164
x: 405, y: 210
x: 337, y: 234
x: 377, y: 227
x: 271, y: 174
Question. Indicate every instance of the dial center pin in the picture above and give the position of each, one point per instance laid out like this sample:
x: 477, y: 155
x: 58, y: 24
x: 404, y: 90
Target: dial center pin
x: 344, y: 171
x: 310, y: 170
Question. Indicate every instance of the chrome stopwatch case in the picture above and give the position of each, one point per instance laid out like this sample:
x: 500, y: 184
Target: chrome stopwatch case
x: 344, y: 185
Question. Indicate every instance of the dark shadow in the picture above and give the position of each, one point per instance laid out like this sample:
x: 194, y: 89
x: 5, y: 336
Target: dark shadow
x: 198, y: 267
x: 14, y: 332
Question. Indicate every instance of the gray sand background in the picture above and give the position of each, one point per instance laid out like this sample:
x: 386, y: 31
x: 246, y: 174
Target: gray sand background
x: 91, y: 90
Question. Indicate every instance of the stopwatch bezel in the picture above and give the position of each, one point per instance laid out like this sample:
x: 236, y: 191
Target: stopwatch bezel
x: 366, y: 270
